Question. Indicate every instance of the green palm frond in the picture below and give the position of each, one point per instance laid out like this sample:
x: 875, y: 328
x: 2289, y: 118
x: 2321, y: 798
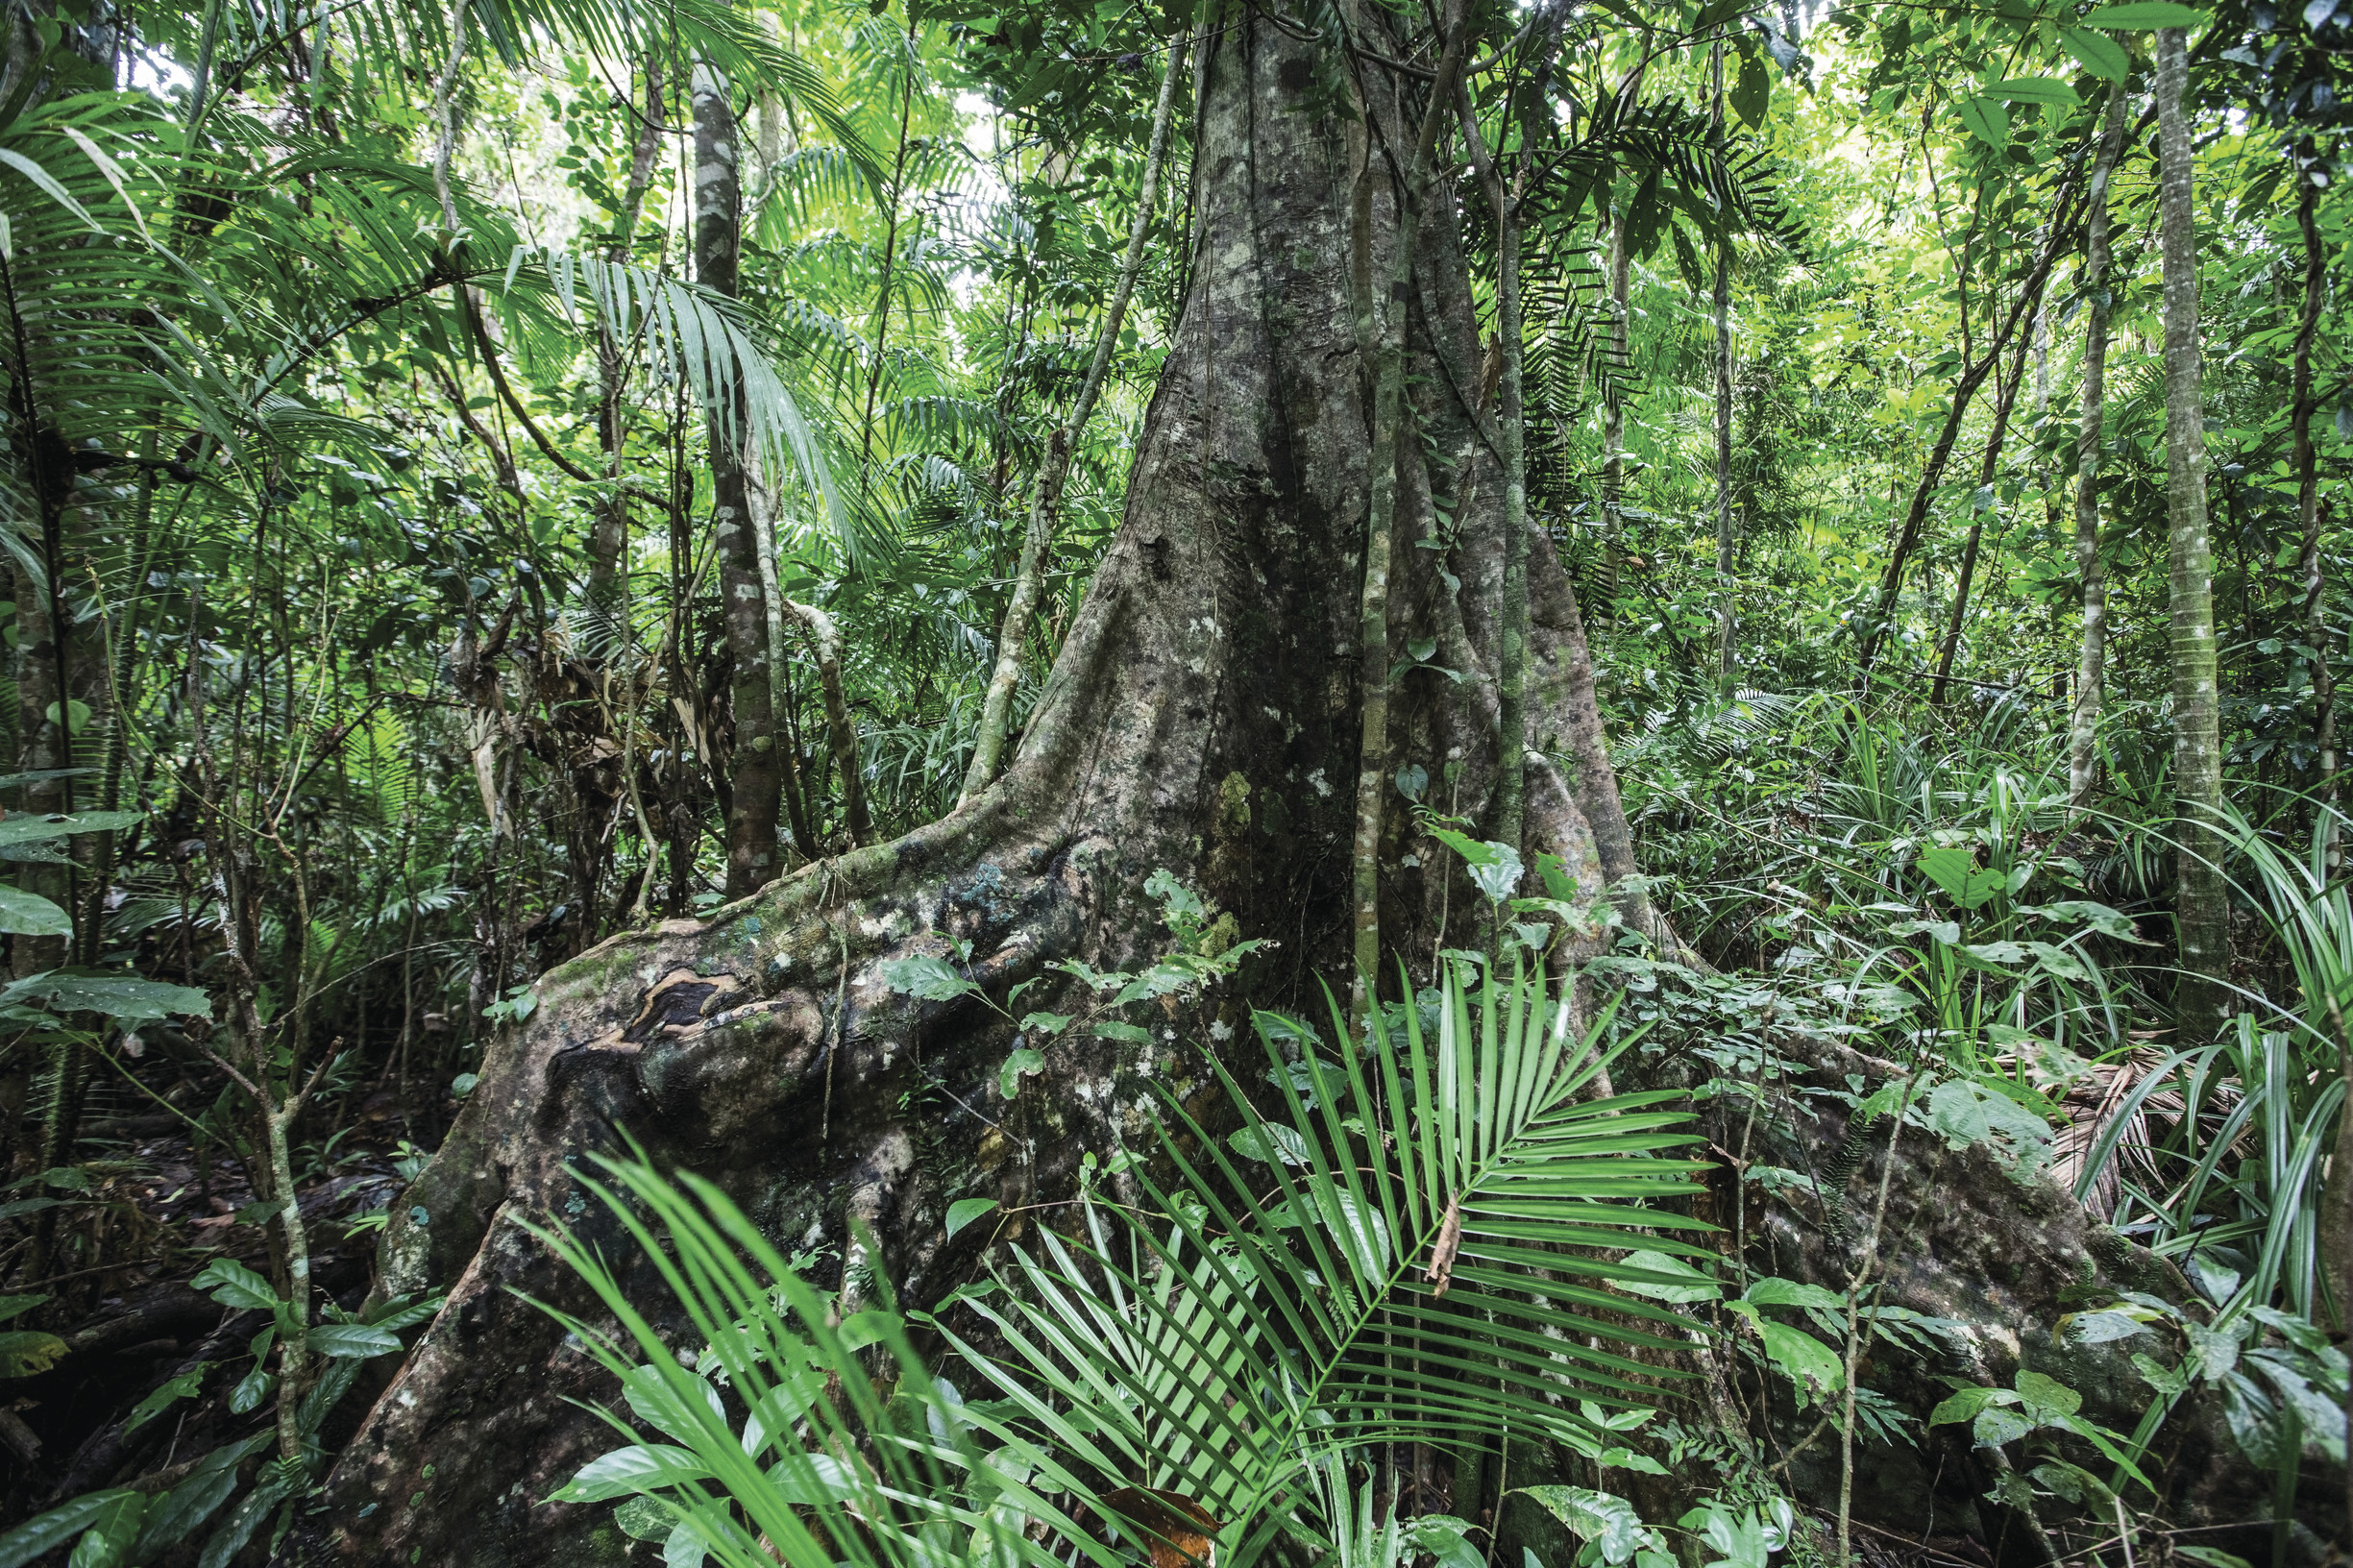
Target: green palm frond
x: 780, y: 1437
x: 1402, y: 1261
x: 727, y: 359
x: 1409, y: 1261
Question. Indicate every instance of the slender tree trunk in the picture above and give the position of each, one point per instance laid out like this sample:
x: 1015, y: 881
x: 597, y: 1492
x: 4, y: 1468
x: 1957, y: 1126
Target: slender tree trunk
x: 2313, y: 515
x: 1511, y: 444
x: 2090, y: 673
x: 890, y: 268
x: 1880, y: 621
x: 2201, y: 896
x: 1613, y: 423
x: 1045, y: 500
x: 608, y: 539
x: 755, y: 780
x: 827, y: 642
x: 2006, y: 399
x: 1726, y: 544
x: 772, y: 606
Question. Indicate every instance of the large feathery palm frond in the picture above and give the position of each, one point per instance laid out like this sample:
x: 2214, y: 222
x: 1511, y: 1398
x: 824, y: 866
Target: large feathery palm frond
x: 1408, y: 1263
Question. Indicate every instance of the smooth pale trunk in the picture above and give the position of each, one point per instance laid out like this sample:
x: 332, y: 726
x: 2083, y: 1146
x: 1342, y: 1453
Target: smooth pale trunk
x: 2201, y: 896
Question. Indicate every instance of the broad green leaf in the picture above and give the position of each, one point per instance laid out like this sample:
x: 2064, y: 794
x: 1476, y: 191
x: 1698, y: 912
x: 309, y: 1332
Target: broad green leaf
x: 933, y: 979
x: 646, y: 1519
x: 27, y: 1353
x: 31, y: 827
x: 233, y: 1285
x: 226, y: 1542
x: 43, y: 1532
x: 963, y: 1210
x: 1268, y: 1141
x: 1997, y: 1426
x: 2100, y: 1327
x: 358, y: 1340
x: 1682, y: 1284
x: 2146, y: 15
x: 625, y: 1472
x: 184, y: 1386
x: 1804, y: 1359
x: 1019, y: 1065
x: 1127, y: 1033
x: 1954, y: 870
x: 2103, y: 57
x: 30, y: 915
x: 1499, y: 875
x: 18, y: 1306
x: 1442, y: 1536
x: 119, y: 996
x: 2107, y: 922
x: 250, y: 1391
x: 1608, y: 1522
x: 1780, y: 1293
x: 1752, y: 93
x: 667, y: 1400
x: 813, y: 1481
x: 1964, y: 1405
x: 107, y: 1543
x: 683, y: 1547
x: 1047, y: 78
x: 173, y: 1516
x: 2045, y: 1394
x: 1990, y: 123
x: 2036, y: 89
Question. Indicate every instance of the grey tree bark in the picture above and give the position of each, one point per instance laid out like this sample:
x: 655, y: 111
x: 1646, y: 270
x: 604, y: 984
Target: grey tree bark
x: 755, y: 781
x: 2090, y: 672
x: 1613, y: 420
x: 2201, y: 896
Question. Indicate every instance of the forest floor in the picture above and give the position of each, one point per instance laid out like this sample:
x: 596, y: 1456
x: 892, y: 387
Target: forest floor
x: 151, y: 1217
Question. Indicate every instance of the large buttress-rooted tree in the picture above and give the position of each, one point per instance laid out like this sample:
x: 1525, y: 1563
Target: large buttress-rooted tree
x: 1203, y: 717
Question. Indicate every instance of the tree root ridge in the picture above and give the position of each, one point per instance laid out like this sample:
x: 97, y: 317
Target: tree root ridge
x: 763, y: 1049
x: 1999, y: 1258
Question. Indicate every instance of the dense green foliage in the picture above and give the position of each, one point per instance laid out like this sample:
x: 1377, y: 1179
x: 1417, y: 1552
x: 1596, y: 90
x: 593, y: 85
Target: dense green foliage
x: 370, y: 656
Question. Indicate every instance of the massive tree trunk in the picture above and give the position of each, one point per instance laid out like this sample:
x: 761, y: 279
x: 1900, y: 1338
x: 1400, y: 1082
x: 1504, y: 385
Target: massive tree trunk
x: 1203, y: 717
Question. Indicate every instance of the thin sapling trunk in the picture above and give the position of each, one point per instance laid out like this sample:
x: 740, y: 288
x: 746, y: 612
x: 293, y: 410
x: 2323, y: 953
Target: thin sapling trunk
x: 2090, y: 675
x: 2201, y: 896
x: 1046, y: 497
